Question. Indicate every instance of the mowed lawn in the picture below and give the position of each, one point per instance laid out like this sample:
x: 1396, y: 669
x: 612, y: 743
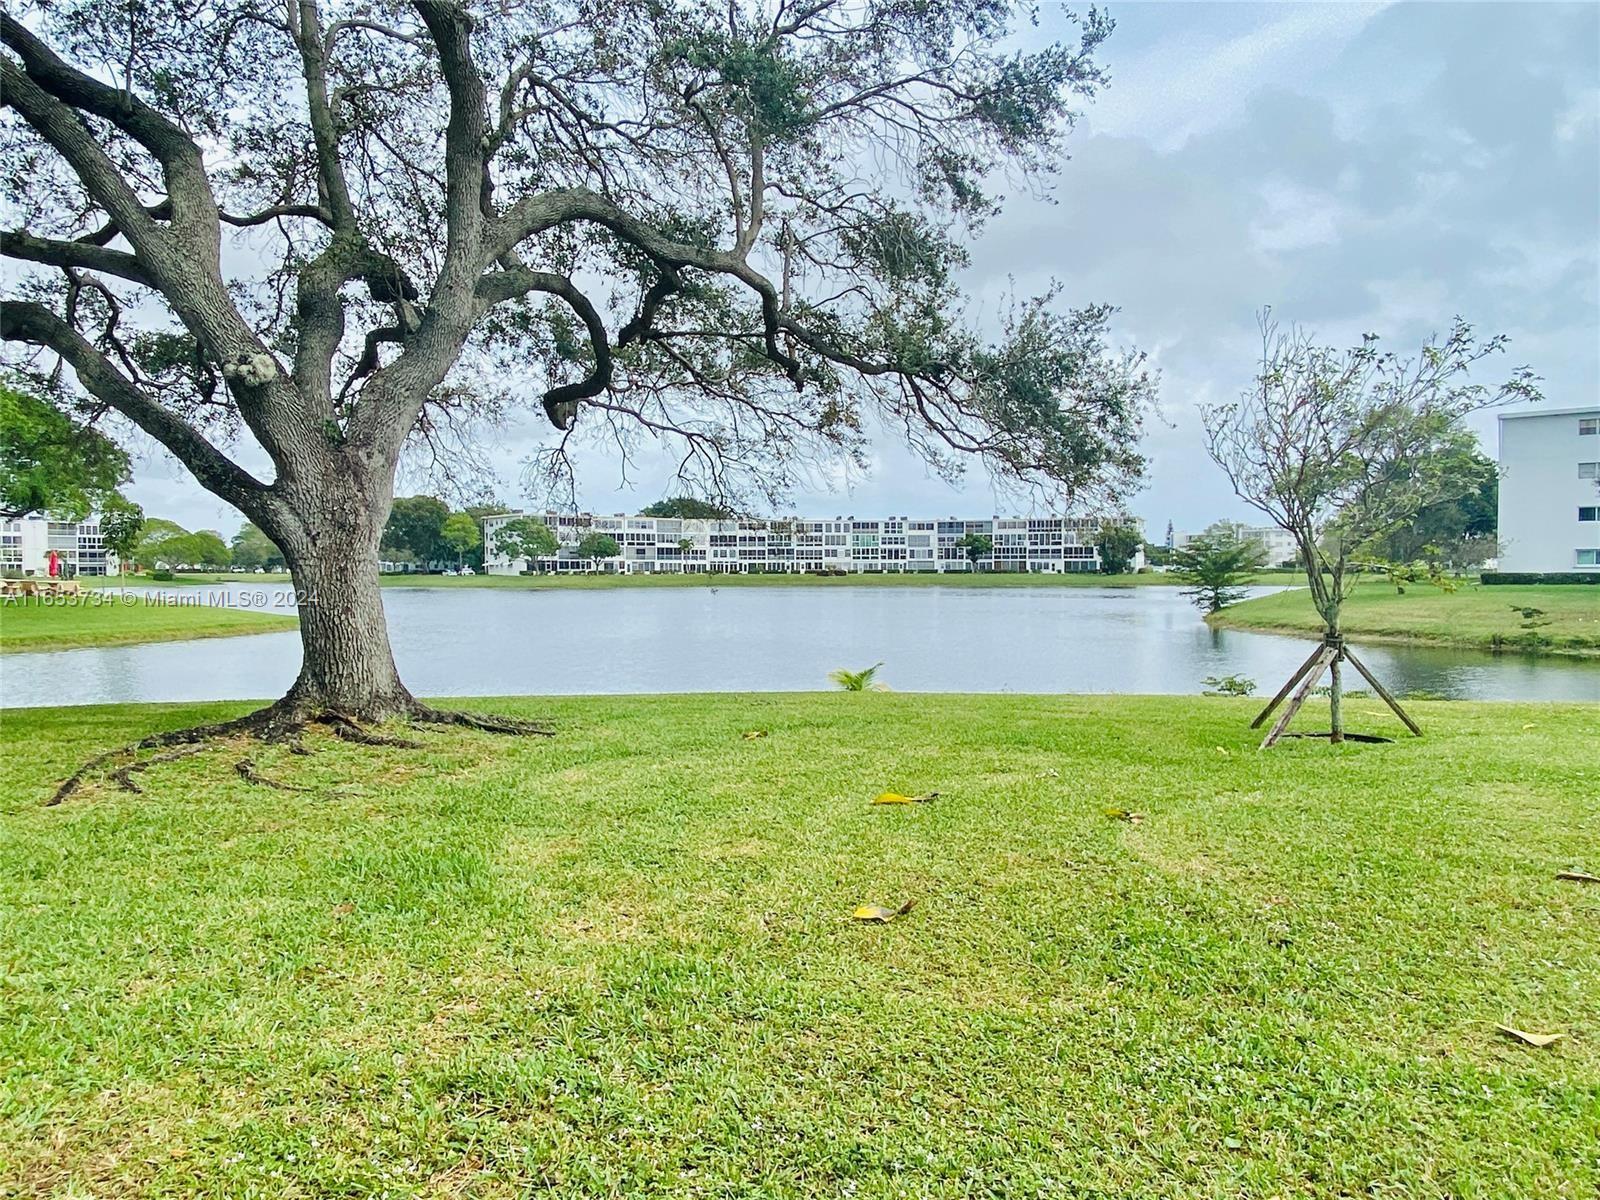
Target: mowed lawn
x: 101, y: 619
x: 1474, y: 615
x: 621, y: 961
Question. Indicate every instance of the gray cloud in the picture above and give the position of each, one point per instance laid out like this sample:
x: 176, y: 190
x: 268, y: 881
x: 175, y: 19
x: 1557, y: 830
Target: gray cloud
x: 1358, y: 167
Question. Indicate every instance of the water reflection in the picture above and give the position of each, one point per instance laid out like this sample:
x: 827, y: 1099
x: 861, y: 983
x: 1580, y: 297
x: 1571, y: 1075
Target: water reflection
x: 464, y: 642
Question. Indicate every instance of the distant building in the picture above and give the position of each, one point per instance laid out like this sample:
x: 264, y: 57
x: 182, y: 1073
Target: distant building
x: 26, y: 543
x: 796, y: 545
x: 1277, y: 544
x: 1550, y: 490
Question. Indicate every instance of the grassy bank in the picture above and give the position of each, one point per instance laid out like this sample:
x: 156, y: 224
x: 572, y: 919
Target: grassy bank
x: 909, y: 579
x: 1473, y: 616
x: 622, y: 962
x: 100, y: 619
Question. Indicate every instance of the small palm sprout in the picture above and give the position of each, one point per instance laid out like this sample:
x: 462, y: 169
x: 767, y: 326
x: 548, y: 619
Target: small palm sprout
x: 859, y: 681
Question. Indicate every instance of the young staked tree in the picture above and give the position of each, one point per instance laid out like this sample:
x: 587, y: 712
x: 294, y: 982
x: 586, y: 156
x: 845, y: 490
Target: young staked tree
x: 1342, y: 447
x: 338, y: 228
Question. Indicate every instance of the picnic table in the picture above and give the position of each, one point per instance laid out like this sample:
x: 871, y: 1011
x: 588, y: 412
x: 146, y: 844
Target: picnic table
x: 11, y: 589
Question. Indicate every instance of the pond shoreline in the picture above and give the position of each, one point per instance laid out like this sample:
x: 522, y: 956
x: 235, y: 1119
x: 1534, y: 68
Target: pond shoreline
x: 1509, y: 649
x: 1565, y: 620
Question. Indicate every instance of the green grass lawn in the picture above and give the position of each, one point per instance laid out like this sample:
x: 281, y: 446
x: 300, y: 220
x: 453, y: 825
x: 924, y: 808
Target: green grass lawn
x: 620, y: 962
x: 100, y: 619
x: 1473, y: 616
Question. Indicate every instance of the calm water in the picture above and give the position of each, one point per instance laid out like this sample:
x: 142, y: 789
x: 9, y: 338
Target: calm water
x: 466, y: 642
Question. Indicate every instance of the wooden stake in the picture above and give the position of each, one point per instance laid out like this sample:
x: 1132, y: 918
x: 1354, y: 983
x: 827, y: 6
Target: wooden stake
x: 1384, y: 692
x: 1286, y: 688
x: 1319, y: 663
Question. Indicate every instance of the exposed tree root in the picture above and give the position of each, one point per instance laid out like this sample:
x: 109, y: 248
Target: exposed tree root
x: 281, y: 723
x: 483, y: 722
x: 348, y: 729
x: 124, y: 774
x: 246, y: 769
x: 270, y: 724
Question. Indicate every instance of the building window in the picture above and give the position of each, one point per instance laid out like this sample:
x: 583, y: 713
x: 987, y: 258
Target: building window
x: 1589, y: 513
x: 1588, y: 426
x: 1589, y: 558
x: 1589, y: 470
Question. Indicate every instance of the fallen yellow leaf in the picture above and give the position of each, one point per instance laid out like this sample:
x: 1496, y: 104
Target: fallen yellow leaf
x: 1531, y: 1039
x: 880, y: 914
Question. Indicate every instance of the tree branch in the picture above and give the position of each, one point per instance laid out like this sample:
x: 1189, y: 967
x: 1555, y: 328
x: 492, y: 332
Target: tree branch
x: 20, y: 244
x: 26, y: 321
x: 560, y: 402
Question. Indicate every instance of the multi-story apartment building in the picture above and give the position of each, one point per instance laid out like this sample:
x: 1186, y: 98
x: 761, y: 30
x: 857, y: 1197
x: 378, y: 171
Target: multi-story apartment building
x: 799, y: 544
x: 26, y: 543
x: 1550, y: 490
x: 1277, y: 544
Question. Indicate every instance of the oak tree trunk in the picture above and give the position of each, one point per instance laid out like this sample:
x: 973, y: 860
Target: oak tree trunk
x: 347, y: 663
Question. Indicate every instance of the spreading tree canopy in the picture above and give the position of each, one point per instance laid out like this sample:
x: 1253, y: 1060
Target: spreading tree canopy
x: 1118, y: 544
x: 687, y: 508
x: 343, y: 229
x: 253, y: 550
x: 597, y: 545
x: 525, y: 537
x: 52, y: 462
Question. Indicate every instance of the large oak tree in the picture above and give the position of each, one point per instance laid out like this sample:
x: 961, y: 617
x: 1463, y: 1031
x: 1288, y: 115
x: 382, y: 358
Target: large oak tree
x: 339, y: 228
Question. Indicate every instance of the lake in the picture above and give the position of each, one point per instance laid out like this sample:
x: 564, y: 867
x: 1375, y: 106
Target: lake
x: 482, y: 642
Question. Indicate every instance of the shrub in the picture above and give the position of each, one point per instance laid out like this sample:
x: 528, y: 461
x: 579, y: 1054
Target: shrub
x: 1494, y: 577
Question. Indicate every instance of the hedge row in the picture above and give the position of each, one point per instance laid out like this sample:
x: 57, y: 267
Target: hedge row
x: 1541, y: 577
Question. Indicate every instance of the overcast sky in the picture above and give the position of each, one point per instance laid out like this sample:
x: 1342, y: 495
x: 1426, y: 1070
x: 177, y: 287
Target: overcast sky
x: 1357, y: 166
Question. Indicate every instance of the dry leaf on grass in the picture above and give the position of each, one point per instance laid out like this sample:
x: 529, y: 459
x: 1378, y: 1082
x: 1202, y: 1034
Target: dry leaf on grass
x: 880, y: 914
x: 1122, y: 814
x: 1531, y: 1039
x: 897, y: 798
x: 1578, y: 877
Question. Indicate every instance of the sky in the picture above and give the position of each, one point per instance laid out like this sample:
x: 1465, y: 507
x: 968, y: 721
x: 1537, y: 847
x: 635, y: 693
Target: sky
x: 1358, y: 167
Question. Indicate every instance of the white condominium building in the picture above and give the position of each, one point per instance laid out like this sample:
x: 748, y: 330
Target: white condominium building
x: 841, y: 544
x: 26, y: 544
x: 1550, y: 490
x: 1277, y: 544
